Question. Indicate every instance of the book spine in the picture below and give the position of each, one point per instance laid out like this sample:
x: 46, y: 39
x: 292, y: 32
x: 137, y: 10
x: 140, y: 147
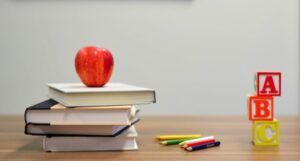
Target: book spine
x: 154, y: 95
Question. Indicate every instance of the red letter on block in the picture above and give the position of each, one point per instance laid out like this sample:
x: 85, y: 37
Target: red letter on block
x: 268, y: 84
x: 261, y: 108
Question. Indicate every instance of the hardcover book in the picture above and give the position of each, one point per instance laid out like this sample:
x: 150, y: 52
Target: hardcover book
x: 77, y: 130
x: 52, y: 113
x: 124, y: 141
x: 77, y: 94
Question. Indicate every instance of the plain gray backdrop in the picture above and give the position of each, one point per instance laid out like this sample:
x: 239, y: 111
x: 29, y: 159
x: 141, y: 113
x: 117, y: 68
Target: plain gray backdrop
x: 199, y: 55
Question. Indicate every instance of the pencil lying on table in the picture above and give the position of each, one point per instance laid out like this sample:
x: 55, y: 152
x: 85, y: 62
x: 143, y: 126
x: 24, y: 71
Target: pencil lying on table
x: 203, y: 146
x: 197, y: 139
x: 172, y: 142
x: 175, y: 137
x: 195, y: 142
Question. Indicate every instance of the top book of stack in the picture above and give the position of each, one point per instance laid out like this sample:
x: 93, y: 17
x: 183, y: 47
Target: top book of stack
x: 77, y: 94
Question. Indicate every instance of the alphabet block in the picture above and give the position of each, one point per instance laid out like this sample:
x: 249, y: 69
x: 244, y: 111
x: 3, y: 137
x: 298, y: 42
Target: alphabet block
x: 261, y: 107
x: 268, y: 83
x: 266, y: 133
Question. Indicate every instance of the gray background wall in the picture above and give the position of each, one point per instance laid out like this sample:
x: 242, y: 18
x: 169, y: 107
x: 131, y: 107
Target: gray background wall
x: 199, y: 55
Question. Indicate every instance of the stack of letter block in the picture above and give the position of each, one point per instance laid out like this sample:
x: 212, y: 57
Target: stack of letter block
x: 261, y: 108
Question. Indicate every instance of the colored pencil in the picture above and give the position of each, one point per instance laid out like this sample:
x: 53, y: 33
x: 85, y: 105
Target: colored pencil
x: 172, y: 142
x: 203, y: 146
x: 198, y: 139
x: 175, y: 137
x: 200, y: 142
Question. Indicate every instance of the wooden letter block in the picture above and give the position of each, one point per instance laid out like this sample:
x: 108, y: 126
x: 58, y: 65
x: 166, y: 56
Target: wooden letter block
x: 268, y: 83
x: 266, y: 133
x: 261, y: 108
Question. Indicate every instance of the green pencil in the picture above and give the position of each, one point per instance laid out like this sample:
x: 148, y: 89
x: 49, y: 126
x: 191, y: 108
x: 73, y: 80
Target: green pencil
x: 173, y: 142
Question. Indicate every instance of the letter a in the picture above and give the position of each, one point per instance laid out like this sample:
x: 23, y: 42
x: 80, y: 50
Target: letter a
x: 268, y: 83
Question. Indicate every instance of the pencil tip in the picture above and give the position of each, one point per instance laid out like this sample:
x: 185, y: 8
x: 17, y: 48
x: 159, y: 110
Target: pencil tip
x: 189, y: 149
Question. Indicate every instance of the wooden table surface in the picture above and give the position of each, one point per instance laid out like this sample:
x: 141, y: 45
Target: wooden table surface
x: 233, y: 132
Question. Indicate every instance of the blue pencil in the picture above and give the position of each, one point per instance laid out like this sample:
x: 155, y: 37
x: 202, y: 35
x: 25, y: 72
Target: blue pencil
x: 203, y: 146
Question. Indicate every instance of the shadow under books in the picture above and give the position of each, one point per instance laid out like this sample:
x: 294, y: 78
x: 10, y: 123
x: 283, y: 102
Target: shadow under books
x: 33, y: 145
x: 34, y: 149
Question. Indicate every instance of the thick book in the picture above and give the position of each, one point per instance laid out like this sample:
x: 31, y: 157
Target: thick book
x: 77, y: 94
x: 53, y: 113
x: 125, y: 141
x: 77, y: 130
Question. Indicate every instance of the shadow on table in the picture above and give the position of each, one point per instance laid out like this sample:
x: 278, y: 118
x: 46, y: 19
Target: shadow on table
x: 27, y: 148
x: 35, y: 145
x: 33, y: 150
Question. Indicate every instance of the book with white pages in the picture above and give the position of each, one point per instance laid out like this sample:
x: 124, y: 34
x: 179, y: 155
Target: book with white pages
x: 124, y: 141
x: 78, y: 130
x: 111, y: 94
x: 53, y: 113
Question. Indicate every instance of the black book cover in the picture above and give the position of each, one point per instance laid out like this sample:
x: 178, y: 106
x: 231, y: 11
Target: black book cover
x: 46, y: 105
x: 50, y: 135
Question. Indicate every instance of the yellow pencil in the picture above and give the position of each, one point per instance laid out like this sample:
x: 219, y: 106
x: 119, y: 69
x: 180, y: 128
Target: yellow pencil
x: 173, y: 137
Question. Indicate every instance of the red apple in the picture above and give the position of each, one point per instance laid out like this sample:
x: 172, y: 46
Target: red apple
x: 94, y: 65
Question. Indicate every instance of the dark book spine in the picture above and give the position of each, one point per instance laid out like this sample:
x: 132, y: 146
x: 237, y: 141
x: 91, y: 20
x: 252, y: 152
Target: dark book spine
x: 154, y: 93
x: 74, y: 135
x: 45, y: 105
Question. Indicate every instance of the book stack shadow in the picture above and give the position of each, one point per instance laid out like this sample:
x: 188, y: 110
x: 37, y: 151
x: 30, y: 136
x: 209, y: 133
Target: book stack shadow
x: 80, y: 118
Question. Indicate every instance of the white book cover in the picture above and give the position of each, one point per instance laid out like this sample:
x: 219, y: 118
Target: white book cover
x: 111, y: 94
x: 109, y: 87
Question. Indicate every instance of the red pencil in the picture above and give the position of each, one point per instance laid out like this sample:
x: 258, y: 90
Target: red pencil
x: 200, y: 142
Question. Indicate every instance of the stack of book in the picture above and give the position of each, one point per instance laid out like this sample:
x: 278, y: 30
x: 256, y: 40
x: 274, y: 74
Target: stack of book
x: 80, y: 118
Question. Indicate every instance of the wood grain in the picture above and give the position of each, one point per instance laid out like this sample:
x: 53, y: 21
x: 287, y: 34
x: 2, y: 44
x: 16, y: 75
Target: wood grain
x: 234, y: 133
